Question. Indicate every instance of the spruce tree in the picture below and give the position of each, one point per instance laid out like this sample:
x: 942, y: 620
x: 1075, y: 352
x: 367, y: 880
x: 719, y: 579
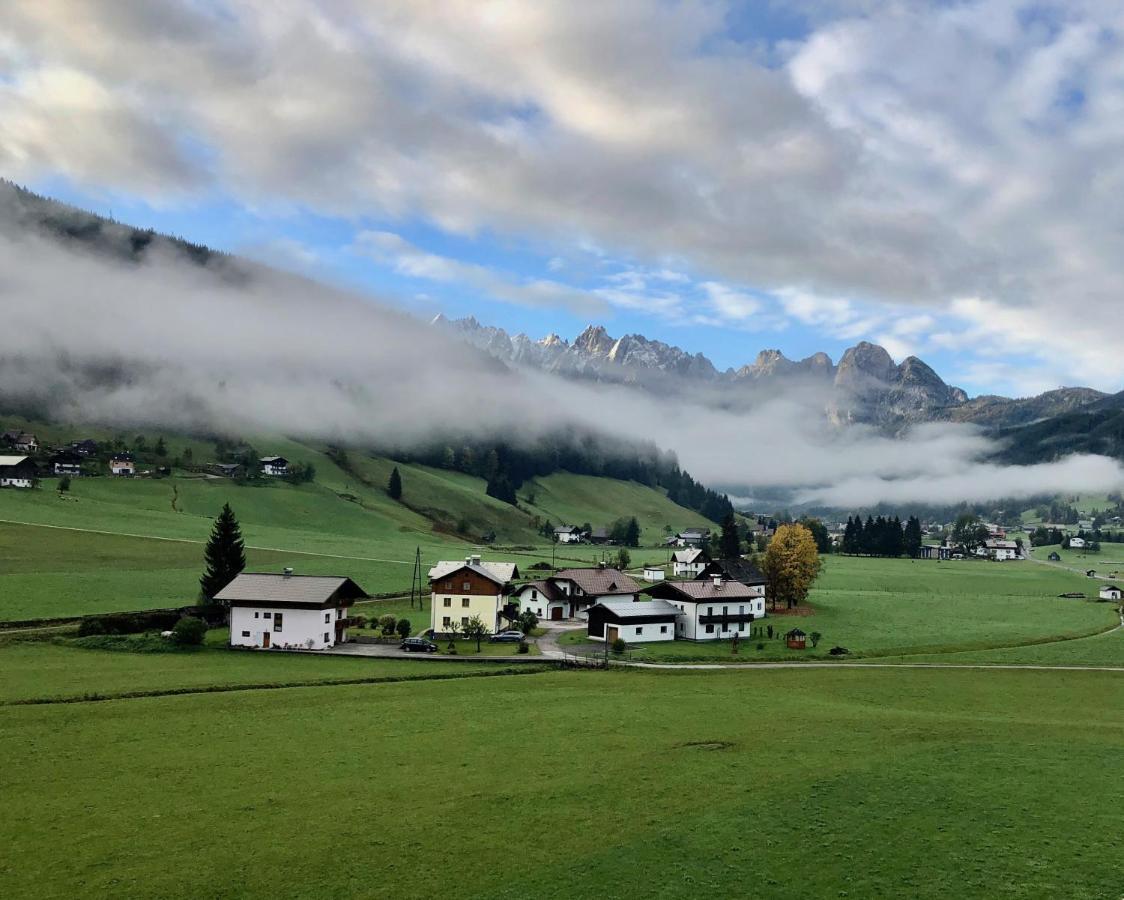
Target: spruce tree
x: 394, y: 485
x: 224, y: 555
x: 731, y: 545
x: 632, y: 533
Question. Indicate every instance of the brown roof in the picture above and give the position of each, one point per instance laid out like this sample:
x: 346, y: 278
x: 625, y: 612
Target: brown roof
x: 294, y: 589
x: 699, y: 591
x: 548, y: 590
x: 599, y: 581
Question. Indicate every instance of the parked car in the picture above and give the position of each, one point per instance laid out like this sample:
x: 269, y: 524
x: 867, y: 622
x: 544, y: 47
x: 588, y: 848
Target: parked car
x: 418, y: 645
x: 506, y: 637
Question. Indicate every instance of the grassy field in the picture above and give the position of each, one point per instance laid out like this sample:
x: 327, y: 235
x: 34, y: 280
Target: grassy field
x: 49, y: 670
x: 878, y: 607
x: 1109, y: 560
x: 794, y: 783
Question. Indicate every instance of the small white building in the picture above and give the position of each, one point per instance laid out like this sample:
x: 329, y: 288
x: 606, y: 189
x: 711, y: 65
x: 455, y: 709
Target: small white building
x: 289, y: 612
x: 688, y: 563
x: 568, y: 534
x: 123, y: 465
x: 714, y: 608
x: 1111, y: 592
x: 654, y: 573
x: 1077, y: 543
x: 644, y: 621
x: 274, y: 466
x: 17, y: 472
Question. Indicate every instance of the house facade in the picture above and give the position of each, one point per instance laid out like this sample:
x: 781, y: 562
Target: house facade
x: 692, y: 537
x: 23, y: 441
x: 712, y: 609
x: 289, y: 612
x: 1111, y: 592
x: 688, y: 563
x: 461, y: 591
x: 1077, y: 543
x: 568, y: 534
x: 17, y: 472
x: 569, y: 593
x: 66, y: 462
x: 653, y: 573
x: 645, y: 622
x: 122, y: 464
x: 1002, y: 550
x: 274, y: 466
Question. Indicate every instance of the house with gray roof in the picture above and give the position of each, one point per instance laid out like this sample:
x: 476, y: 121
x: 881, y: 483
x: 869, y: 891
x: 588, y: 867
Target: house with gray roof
x: 289, y: 612
x: 645, y: 621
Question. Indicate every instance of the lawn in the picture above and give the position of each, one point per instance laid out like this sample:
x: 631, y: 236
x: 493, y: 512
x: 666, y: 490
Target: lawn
x: 55, y: 670
x: 791, y: 783
x: 1110, y: 559
x: 878, y: 607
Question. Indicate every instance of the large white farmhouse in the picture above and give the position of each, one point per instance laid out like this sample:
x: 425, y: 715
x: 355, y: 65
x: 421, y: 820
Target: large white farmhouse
x: 291, y: 612
x: 712, y: 608
x: 274, y: 466
x: 570, y: 592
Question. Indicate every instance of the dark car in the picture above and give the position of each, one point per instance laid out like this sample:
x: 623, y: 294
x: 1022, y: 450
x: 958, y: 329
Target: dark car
x: 506, y: 637
x: 418, y: 645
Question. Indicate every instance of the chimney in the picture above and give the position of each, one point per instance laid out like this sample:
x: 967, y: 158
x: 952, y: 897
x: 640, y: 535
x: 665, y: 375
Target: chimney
x: 288, y: 571
x: 717, y: 581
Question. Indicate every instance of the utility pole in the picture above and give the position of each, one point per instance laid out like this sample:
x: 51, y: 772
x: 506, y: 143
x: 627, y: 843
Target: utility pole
x: 416, y: 582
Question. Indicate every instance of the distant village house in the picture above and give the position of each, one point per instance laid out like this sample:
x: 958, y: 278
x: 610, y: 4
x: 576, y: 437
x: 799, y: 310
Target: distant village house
x: 274, y: 466
x: 568, y: 534
x: 688, y: 563
x: 17, y: 472
x: 123, y: 464
x: 571, y: 592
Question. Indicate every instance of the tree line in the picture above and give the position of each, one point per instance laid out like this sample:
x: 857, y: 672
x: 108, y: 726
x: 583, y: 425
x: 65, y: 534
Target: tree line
x: 882, y: 536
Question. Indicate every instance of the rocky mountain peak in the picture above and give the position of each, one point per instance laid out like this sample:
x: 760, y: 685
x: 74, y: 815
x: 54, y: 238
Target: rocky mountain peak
x: 594, y: 340
x: 866, y: 361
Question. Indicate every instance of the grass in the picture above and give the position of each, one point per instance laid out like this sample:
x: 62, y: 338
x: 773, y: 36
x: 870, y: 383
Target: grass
x: 1110, y: 559
x: 795, y: 783
x: 58, y: 670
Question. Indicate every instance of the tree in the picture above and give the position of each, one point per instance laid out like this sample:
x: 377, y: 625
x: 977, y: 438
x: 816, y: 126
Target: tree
x: 187, y: 455
x: 730, y: 546
x: 819, y: 534
x: 64, y: 484
x: 387, y: 624
x: 913, y: 537
x: 394, y: 485
x: 224, y: 555
x: 404, y: 628
x: 500, y: 487
x: 815, y: 637
x: 624, y: 559
x: 527, y: 621
x: 454, y: 628
x: 632, y: 533
x: 161, y: 448
x: 189, y: 631
x: 475, y: 630
x: 791, y: 564
x: 969, y: 532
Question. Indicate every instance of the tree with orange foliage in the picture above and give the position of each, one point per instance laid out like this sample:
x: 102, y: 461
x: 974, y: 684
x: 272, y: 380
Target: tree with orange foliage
x: 791, y: 565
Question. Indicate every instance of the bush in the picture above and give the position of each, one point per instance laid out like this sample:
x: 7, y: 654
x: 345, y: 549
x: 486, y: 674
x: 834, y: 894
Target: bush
x: 189, y: 631
x: 760, y: 646
x: 839, y: 651
x: 359, y: 621
x: 64, y: 484
x: 90, y: 627
x: 388, y: 624
x: 524, y: 647
x: 404, y: 628
x: 619, y: 646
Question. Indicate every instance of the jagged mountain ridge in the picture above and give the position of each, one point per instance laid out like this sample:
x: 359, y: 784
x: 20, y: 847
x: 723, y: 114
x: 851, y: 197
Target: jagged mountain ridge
x: 865, y: 386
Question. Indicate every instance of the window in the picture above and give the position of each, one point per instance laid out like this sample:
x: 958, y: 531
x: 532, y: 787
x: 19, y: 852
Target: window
x: 741, y: 626
x: 339, y: 613
x: 245, y: 634
x: 724, y: 610
x: 256, y: 615
x: 710, y: 629
x: 325, y: 637
x: 446, y: 622
x: 663, y: 629
x: 266, y: 615
x: 534, y: 595
x: 464, y: 620
x: 448, y: 585
x: 466, y: 586
x: 710, y: 610
x: 327, y: 618
x: 465, y: 602
x: 639, y: 631
x: 277, y: 619
x: 447, y: 602
x: 741, y: 610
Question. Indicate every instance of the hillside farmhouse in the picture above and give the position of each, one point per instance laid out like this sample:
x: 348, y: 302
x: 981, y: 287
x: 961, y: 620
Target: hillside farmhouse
x: 291, y: 612
x: 274, y: 466
x: 692, y: 537
x: 570, y: 592
x: 1111, y: 592
x: 122, y: 464
x: 226, y: 470
x: 712, y: 609
x: 86, y: 447
x: 17, y: 472
x: 568, y: 534
x: 23, y: 441
x: 460, y: 591
x: 67, y: 462
x: 649, y: 621
x: 1077, y: 543
x: 688, y: 563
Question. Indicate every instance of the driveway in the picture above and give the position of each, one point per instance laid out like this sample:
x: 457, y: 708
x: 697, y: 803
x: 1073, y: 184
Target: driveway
x: 548, y: 642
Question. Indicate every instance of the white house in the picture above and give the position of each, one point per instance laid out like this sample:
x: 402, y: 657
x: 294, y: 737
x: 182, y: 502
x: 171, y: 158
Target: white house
x: 17, y: 472
x: 460, y: 591
x: 712, y: 609
x: 1002, y: 550
x: 122, y: 464
x: 688, y: 563
x: 639, y: 622
x: 66, y: 462
x: 1077, y: 543
x: 23, y: 441
x: 692, y: 537
x: 570, y: 592
x: 1111, y: 592
x: 274, y: 466
x: 291, y: 612
x: 653, y: 573
x: 568, y: 534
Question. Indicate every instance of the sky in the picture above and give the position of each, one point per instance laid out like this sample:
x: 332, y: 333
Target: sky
x: 942, y: 178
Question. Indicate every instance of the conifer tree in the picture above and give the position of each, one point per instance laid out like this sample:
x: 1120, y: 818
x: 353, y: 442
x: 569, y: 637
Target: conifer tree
x: 731, y: 545
x: 224, y: 555
x: 394, y: 485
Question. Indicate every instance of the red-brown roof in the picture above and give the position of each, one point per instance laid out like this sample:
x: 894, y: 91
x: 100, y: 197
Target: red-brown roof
x: 700, y: 591
x: 599, y: 582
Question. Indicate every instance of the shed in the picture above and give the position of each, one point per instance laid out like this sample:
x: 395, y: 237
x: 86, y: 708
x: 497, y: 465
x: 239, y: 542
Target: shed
x: 653, y: 573
x: 796, y: 639
x: 639, y: 621
x: 1111, y: 592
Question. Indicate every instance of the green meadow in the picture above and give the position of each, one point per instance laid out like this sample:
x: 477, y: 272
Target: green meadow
x: 767, y: 783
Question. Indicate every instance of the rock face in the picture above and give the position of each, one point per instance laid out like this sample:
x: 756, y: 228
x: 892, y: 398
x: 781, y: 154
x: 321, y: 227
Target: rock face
x: 866, y: 387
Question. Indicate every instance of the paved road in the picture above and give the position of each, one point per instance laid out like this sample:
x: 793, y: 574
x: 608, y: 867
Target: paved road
x: 391, y: 651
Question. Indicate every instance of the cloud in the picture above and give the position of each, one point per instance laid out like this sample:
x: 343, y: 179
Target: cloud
x: 236, y: 348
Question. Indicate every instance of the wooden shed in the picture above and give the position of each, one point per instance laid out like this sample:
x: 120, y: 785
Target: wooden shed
x: 796, y: 639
